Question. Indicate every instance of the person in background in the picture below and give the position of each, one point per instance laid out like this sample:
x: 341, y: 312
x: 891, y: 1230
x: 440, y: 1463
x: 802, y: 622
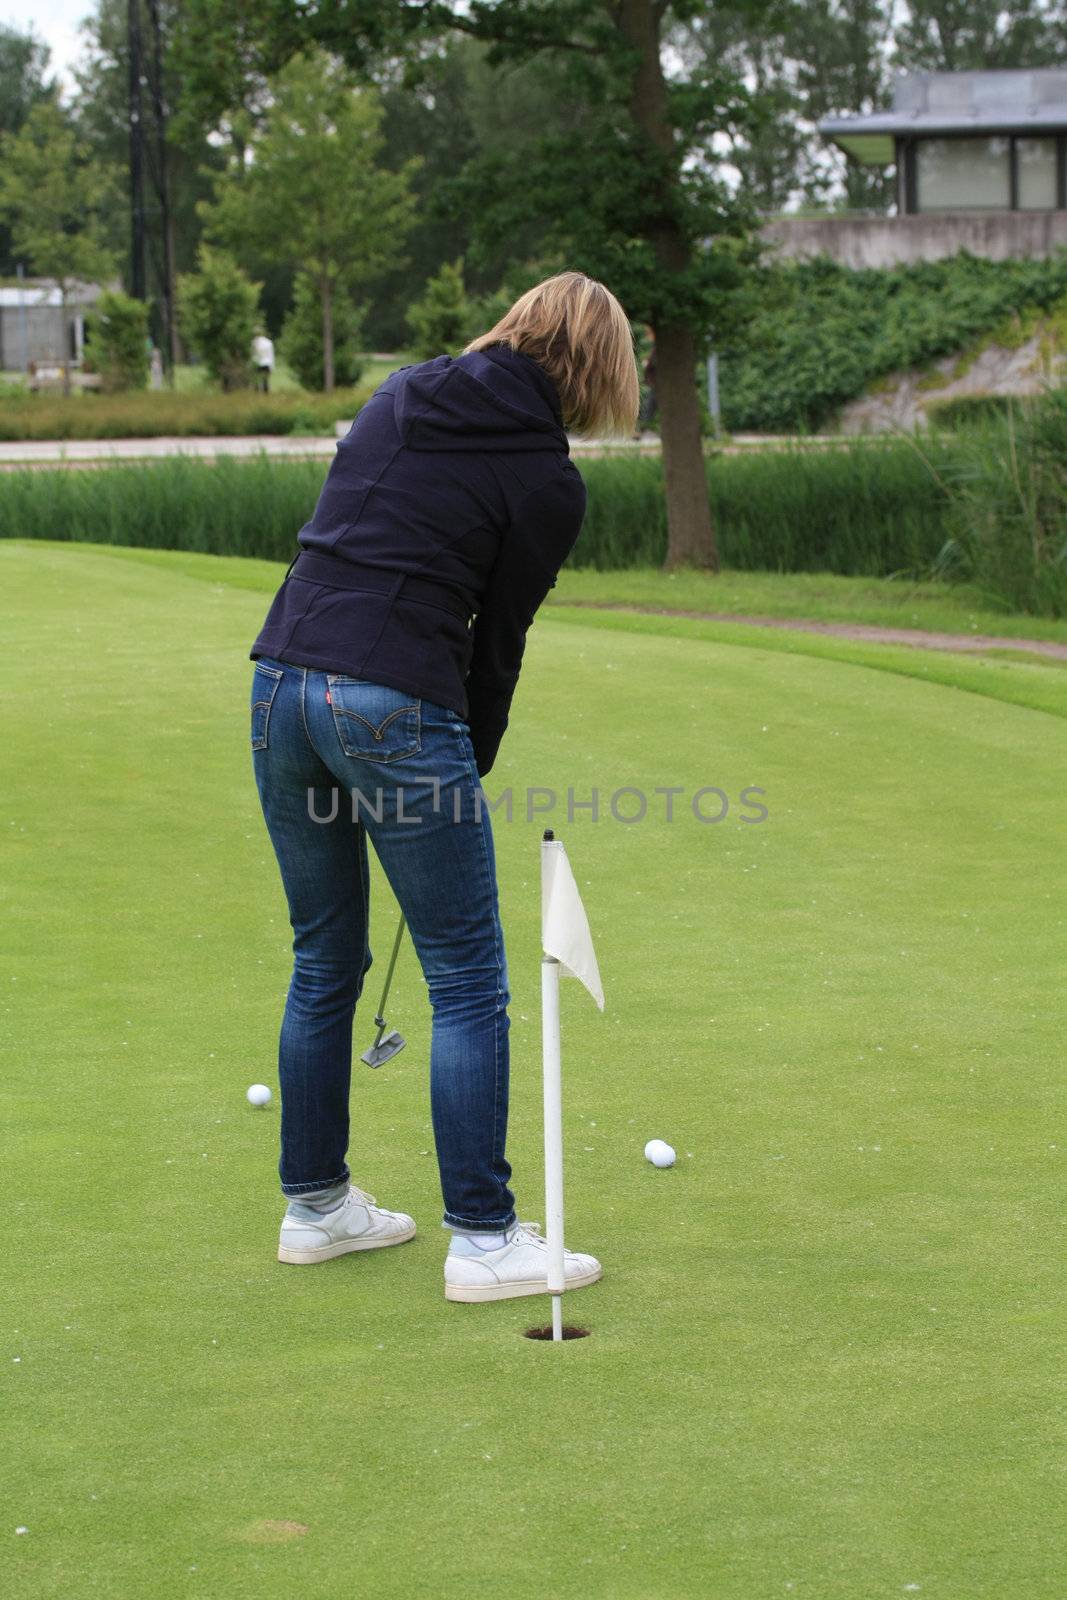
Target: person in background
x: 263, y: 360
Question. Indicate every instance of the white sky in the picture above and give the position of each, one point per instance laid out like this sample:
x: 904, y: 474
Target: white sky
x: 54, y: 21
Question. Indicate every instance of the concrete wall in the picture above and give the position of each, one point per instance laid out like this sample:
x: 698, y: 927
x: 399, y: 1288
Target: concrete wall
x: 885, y: 241
x: 44, y: 339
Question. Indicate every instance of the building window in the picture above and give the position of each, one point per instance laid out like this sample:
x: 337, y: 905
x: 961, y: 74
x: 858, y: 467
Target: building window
x: 1036, y: 170
x: 964, y: 174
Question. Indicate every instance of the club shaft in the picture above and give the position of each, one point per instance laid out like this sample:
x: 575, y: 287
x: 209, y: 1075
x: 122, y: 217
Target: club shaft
x: 380, y: 1018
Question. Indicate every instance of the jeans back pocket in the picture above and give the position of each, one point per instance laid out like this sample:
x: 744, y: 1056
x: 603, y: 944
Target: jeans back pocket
x: 265, y: 681
x: 373, y: 721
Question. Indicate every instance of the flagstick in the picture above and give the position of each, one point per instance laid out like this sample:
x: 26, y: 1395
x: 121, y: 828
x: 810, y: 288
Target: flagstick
x: 553, y: 1138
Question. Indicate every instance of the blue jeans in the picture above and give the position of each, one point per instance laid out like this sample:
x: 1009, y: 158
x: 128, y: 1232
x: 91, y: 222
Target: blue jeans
x: 336, y: 759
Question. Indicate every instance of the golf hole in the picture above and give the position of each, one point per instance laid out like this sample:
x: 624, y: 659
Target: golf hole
x: 568, y: 1332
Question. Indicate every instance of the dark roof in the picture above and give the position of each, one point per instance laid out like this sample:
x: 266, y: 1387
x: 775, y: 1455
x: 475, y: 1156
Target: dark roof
x: 955, y: 102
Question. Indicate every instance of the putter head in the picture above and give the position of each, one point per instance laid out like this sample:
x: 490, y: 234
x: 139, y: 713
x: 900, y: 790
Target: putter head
x: 389, y: 1046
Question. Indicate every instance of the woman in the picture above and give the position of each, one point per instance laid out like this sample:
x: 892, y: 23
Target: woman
x: 377, y: 706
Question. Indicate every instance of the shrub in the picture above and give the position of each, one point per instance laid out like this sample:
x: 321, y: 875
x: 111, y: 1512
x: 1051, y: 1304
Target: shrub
x: 444, y: 318
x: 817, y: 333
x: 116, y: 343
x: 160, y: 412
x: 300, y: 343
x: 217, y: 310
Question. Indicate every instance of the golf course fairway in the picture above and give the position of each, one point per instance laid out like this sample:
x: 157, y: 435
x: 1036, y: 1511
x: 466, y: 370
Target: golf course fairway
x: 825, y: 1360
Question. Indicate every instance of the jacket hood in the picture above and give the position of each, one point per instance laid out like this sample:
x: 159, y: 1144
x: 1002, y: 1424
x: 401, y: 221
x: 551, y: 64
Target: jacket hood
x: 495, y: 399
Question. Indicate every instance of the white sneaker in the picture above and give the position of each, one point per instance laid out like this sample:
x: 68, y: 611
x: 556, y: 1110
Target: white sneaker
x: 519, y: 1266
x: 357, y: 1224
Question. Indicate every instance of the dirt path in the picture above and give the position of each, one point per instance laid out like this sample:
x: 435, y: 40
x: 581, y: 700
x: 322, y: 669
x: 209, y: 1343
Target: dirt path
x: 847, y: 630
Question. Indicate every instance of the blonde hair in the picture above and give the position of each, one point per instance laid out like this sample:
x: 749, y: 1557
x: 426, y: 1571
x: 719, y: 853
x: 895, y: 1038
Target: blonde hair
x: 577, y: 330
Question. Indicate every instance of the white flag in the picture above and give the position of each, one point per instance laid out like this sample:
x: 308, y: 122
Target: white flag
x: 564, y: 926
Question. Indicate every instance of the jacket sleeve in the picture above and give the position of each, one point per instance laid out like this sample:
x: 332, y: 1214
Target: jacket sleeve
x: 538, y: 540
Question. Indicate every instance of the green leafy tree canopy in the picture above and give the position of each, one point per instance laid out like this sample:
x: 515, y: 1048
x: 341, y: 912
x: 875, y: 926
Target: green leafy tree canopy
x: 300, y: 344
x: 116, y: 344
x: 311, y: 194
x: 217, y: 307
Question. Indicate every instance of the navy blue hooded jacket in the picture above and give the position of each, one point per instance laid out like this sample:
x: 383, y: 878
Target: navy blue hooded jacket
x: 446, y: 514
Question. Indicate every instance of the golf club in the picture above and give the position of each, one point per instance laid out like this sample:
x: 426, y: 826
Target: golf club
x: 385, y: 1048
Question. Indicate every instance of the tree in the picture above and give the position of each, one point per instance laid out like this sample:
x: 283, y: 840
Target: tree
x: 842, y: 47
x: 116, y: 341
x: 751, y: 40
x: 178, y: 164
x: 630, y: 192
x: 961, y: 35
x: 217, y: 307
x: 314, y: 164
x: 301, y: 338
x: 802, y: 60
x: 443, y: 318
x: 461, y: 109
x: 52, y: 198
x: 23, y: 64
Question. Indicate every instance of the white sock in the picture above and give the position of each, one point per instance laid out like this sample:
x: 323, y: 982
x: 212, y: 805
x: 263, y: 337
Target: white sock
x: 319, y: 1202
x: 485, y: 1241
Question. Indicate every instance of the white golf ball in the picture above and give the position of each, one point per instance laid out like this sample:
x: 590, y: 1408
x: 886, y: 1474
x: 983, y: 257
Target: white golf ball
x: 659, y: 1153
x: 259, y: 1094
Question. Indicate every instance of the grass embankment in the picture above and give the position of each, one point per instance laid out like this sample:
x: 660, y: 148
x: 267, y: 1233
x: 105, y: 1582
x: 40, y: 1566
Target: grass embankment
x: 825, y: 1356
x: 821, y: 333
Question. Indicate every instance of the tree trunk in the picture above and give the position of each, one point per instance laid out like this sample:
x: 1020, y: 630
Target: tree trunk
x: 327, y: 335
x: 690, y: 535
x: 175, y: 350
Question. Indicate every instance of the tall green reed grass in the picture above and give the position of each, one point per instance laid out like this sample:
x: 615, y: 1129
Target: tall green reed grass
x: 985, y: 503
x: 868, y: 509
x: 233, y: 506
x: 1006, y: 523
x: 864, y: 510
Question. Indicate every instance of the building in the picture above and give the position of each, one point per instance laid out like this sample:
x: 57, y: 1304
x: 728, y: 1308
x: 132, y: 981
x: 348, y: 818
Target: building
x: 981, y: 164
x: 34, y: 326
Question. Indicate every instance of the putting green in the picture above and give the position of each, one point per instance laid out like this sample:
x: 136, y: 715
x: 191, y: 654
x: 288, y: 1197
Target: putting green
x: 825, y: 1359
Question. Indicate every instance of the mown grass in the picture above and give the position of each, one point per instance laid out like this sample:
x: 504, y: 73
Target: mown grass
x: 1037, y: 682
x: 825, y: 1356
x: 818, y: 596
